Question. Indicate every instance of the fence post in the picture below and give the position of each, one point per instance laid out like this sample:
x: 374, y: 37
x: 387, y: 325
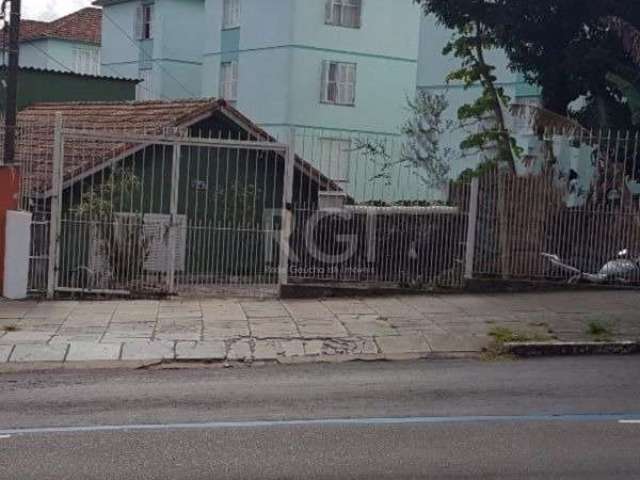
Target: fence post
x: 287, y: 209
x: 173, y: 221
x: 10, y: 191
x: 56, y: 206
x: 472, y: 224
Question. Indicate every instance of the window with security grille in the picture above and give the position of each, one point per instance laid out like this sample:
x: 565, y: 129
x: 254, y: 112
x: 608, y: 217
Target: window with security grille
x: 86, y: 60
x: 335, y: 156
x: 229, y: 81
x: 231, y: 14
x: 344, y: 13
x: 145, y: 88
x: 339, y: 83
x: 144, y: 22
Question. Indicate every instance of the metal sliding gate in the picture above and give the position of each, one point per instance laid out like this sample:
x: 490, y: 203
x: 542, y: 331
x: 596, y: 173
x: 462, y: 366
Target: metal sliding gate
x: 144, y: 214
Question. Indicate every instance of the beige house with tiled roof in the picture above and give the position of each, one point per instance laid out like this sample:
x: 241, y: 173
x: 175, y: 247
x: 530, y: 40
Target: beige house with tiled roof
x: 69, y: 44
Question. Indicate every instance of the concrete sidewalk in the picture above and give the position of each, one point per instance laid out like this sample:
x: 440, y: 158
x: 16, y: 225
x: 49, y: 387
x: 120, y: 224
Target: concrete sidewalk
x: 304, y: 330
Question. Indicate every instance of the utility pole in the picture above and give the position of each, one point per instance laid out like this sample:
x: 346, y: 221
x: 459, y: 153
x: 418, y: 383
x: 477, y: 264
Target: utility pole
x: 12, y: 83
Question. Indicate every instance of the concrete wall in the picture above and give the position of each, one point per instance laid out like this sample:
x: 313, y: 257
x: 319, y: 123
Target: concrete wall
x: 174, y: 54
x: 433, y: 66
x: 281, y: 47
x: 9, y: 188
x: 178, y: 32
x: 388, y: 28
x: 120, y: 56
x: 51, y: 54
x: 17, y: 252
x: 31, y: 54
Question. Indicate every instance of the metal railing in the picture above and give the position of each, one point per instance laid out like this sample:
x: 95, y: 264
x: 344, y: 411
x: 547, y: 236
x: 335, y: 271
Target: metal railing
x: 379, y: 220
x: 163, y: 213
x: 577, y: 199
x: 156, y: 212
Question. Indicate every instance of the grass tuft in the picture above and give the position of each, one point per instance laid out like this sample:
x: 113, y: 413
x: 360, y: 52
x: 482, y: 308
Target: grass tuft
x: 600, y: 331
x: 502, y: 335
x: 506, y: 335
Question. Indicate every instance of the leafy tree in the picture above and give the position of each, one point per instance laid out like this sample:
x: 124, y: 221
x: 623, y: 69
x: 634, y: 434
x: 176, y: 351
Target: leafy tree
x: 565, y: 46
x: 629, y: 87
x: 423, y: 131
x: 422, y: 148
x: 486, y: 114
x: 470, y: 21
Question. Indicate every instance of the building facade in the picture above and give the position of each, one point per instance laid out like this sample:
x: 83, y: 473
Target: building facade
x: 333, y: 69
x: 158, y: 42
x: 284, y: 63
x: 68, y: 44
x: 320, y: 65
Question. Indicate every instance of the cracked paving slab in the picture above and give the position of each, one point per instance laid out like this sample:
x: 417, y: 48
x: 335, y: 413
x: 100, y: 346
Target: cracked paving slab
x: 209, y: 350
x: 403, y: 344
x: 273, y: 327
x: 39, y: 353
x: 275, y: 349
x: 342, y: 346
x: 89, y: 352
x: 152, y: 350
x: 310, y: 328
x: 275, y: 330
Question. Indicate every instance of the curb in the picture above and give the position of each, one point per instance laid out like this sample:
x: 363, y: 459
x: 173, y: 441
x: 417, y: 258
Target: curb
x: 557, y: 349
x: 298, y: 291
x: 159, y: 364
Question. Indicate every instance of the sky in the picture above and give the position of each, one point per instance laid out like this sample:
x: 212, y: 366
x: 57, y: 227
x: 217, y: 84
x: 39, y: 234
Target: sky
x: 50, y: 9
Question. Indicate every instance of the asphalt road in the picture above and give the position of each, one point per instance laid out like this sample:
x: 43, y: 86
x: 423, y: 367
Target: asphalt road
x: 552, y: 418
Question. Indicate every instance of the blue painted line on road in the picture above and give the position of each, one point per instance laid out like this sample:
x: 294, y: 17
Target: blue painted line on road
x: 329, y: 422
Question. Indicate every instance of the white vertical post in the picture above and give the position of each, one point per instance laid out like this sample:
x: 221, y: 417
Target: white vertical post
x: 17, y: 250
x: 471, y: 228
x: 173, y: 222
x: 287, y: 207
x: 56, y: 206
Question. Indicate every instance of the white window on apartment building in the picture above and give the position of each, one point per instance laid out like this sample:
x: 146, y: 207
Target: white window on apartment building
x: 344, y: 13
x: 335, y: 157
x: 86, y: 60
x: 231, y: 14
x: 339, y: 83
x: 229, y: 81
x: 144, y: 22
x: 145, y: 89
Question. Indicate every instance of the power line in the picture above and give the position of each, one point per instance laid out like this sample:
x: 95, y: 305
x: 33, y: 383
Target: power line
x: 140, y: 84
x: 149, y: 57
x: 52, y: 58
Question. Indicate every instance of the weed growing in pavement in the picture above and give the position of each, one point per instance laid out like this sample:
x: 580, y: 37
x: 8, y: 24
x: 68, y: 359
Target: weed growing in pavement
x: 506, y: 335
x: 502, y: 335
x: 600, y: 331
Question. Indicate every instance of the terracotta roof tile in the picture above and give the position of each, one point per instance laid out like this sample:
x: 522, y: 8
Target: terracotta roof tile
x: 36, y: 126
x: 82, y: 26
x: 35, y: 148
